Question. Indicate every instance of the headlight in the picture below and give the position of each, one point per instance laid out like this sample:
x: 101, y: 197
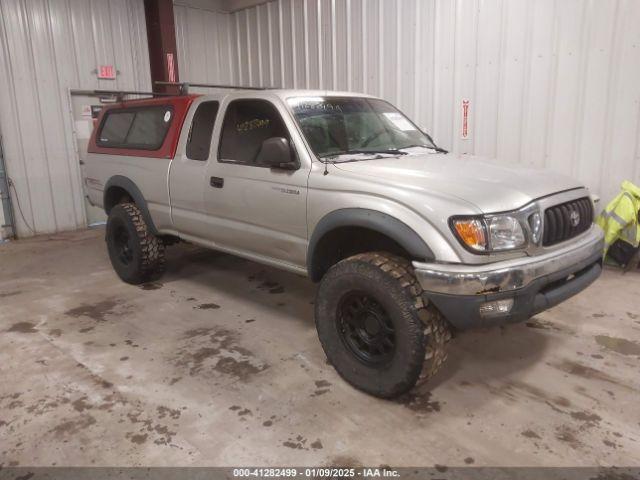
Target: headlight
x: 490, y: 233
x: 505, y: 233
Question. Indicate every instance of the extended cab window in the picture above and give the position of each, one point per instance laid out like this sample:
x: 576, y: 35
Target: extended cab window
x: 199, y: 141
x: 142, y: 128
x: 248, y: 123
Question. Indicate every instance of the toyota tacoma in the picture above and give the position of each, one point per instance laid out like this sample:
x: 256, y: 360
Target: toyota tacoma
x: 409, y: 243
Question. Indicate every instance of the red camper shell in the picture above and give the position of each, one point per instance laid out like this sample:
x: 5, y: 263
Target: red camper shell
x: 141, y: 128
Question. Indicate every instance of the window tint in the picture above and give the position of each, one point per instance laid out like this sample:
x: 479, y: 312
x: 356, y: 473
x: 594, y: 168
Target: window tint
x: 248, y: 123
x: 116, y: 126
x: 141, y: 128
x: 199, y: 140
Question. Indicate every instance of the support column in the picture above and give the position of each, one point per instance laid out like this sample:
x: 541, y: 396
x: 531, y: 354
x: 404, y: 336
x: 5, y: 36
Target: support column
x: 161, y: 35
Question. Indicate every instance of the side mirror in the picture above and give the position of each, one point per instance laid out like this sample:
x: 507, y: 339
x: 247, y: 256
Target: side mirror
x: 276, y: 152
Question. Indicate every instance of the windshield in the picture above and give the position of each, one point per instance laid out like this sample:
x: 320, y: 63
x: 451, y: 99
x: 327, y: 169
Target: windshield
x: 336, y: 126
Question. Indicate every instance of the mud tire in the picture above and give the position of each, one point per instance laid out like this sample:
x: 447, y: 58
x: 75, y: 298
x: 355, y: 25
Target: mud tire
x: 136, y: 254
x: 420, y: 332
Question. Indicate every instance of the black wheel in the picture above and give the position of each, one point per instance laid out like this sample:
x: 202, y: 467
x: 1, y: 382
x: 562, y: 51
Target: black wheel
x: 364, y: 327
x: 137, y: 255
x: 375, y: 327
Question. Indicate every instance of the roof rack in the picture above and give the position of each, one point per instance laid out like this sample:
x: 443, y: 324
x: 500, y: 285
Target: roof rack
x: 116, y: 95
x: 183, y: 87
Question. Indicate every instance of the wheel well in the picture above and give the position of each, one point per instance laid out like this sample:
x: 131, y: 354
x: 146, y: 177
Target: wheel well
x: 344, y: 242
x: 114, y: 196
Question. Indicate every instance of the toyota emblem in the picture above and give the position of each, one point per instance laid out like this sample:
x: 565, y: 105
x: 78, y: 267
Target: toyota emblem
x: 574, y: 218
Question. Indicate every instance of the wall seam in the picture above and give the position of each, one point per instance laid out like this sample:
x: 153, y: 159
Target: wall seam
x: 501, y: 62
x: 334, y: 55
x: 62, y: 100
x: 320, y: 40
x: 553, y: 84
x: 349, y: 46
x: 39, y: 109
x: 380, y: 49
x: 293, y: 47
x: 612, y: 80
x: 526, y: 73
x: 19, y: 131
x: 305, y: 33
x: 280, y: 37
x: 585, y: 43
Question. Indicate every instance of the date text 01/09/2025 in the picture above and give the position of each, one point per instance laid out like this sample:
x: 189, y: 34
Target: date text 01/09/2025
x: 320, y: 472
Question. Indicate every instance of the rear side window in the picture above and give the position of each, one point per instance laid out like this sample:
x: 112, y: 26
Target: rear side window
x: 199, y: 141
x: 115, y: 128
x: 141, y: 128
x: 248, y: 123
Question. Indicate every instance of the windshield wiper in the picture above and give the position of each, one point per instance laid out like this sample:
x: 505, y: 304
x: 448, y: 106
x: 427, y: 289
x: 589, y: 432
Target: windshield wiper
x: 387, y: 151
x: 430, y: 147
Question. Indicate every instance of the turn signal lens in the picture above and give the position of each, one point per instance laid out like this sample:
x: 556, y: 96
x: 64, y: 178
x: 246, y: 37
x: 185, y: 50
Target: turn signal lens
x: 472, y: 233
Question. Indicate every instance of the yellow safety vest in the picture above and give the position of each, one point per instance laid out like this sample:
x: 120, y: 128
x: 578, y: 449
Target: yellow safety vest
x: 619, y: 219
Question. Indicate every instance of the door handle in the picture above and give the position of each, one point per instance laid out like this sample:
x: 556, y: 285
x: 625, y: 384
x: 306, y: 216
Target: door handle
x: 216, y: 182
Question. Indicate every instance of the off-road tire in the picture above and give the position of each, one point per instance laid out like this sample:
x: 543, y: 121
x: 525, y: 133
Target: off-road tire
x: 145, y: 251
x: 420, y: 331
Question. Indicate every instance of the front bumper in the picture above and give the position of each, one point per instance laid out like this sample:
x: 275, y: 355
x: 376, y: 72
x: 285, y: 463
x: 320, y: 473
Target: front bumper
x: 534, y: 283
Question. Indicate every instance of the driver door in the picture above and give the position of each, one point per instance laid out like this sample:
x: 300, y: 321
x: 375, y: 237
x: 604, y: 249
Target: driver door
x: 256, y: 210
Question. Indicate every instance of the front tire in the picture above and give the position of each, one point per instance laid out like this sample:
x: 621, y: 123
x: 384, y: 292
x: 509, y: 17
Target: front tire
x: 136, y: 254
x: 375, y: 327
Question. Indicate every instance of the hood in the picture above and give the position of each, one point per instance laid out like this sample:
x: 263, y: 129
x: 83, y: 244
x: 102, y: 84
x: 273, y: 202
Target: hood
x: 491, y: 187
x: 627, y: 186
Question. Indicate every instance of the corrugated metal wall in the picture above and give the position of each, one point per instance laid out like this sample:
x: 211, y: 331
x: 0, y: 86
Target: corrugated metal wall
x: 48, y: 46
x: 552, y: 83
x: 204, y: 46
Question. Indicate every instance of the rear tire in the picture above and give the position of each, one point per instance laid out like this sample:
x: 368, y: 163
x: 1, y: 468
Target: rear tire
x: 374, y: 326
x: 136, y: 254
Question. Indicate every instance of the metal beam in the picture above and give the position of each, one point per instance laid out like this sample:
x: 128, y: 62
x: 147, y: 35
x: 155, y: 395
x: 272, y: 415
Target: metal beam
x: 183, y: 87
x: 161, y: 37
x: 118, y: 95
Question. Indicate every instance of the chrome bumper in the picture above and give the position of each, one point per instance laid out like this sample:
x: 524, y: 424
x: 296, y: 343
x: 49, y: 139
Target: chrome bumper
x: 459, y: 279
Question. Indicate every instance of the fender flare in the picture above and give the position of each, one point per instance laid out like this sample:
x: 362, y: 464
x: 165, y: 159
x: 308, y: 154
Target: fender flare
x: 374, y: 220
x: 135, y: 193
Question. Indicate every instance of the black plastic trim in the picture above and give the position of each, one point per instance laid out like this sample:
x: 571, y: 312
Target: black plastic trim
x: 132, y: 189
x: 380, y: 222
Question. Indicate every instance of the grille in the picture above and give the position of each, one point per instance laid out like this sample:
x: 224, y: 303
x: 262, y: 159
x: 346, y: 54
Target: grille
x: 560, y: 220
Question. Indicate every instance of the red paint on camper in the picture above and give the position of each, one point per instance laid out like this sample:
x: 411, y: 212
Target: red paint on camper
x: 180, y: 106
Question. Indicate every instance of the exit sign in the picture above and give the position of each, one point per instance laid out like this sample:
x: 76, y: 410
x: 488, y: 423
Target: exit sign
x: 107, y: 72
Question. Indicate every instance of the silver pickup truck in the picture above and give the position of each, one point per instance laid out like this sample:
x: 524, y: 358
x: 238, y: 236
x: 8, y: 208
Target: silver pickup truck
x: 408, y: 242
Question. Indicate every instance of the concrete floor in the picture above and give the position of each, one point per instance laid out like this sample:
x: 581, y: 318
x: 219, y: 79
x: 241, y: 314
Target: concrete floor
x: 219, y: 364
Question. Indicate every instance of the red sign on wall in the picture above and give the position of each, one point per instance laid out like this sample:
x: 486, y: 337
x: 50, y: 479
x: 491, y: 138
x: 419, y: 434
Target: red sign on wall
x: 171, y: 68
x: 465, y: 119
x: 107, y: 72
